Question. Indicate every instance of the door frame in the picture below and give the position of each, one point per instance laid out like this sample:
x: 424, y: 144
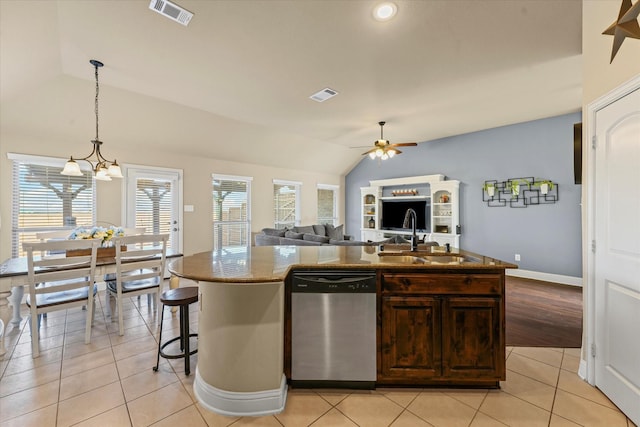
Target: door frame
x: 587, y: 369
x: 155, y: 170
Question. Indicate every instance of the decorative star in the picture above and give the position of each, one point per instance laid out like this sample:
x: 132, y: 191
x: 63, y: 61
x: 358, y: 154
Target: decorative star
x: 625, y: 26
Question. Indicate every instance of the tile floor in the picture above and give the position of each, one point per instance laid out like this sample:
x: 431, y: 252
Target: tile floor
x: 110, y: 383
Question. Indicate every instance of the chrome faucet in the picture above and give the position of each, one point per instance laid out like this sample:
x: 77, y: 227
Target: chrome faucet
x: 410, y: 218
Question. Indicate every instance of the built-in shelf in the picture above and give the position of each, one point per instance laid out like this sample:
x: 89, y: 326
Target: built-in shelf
x: 405, y: 198
x: 443, y: 194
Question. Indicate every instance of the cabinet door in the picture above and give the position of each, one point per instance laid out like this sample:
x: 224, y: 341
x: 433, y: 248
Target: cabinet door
x: 472, y: 338
x: 410, y: 338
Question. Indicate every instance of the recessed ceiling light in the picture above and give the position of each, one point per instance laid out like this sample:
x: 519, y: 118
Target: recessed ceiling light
x: 385, y: 11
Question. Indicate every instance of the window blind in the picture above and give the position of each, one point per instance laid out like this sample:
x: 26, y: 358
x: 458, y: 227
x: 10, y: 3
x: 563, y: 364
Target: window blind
x: 154, y: 205
x: 231, y: 211
x: 44, y: 200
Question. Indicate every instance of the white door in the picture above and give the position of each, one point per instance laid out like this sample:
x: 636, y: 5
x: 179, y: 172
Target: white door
x: 617, y: 253
x: 153, y: 200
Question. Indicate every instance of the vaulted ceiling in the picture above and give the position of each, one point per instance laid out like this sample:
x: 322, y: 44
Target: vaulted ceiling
x: 235, y: 83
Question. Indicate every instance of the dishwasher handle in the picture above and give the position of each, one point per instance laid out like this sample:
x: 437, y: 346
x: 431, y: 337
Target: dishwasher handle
x: 334, y: 283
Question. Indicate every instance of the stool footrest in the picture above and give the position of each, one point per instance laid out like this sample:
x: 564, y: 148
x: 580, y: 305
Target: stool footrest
x: 176, y: 356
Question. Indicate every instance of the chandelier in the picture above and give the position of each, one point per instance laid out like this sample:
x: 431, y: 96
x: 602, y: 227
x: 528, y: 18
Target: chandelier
x: 102, y: 168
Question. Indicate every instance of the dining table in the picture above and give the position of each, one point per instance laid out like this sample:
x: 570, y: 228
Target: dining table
x: 13, y: 279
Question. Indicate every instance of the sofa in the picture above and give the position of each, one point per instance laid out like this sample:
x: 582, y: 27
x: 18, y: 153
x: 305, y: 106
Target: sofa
x: 309, y: 235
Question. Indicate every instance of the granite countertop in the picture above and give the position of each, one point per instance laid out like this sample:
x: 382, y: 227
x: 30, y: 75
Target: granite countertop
x: 272, y: 263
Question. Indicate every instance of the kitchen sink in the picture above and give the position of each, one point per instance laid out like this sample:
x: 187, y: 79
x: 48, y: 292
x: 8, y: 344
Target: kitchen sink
x: 426, y: 257
x: 399, y: 258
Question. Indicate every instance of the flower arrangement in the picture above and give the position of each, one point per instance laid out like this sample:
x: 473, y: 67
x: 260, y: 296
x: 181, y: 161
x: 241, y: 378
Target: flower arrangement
x: 105, y: 234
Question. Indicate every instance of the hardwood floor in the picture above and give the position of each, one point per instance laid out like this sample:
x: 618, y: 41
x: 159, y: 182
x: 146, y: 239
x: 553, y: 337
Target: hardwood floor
x: 543, y: 314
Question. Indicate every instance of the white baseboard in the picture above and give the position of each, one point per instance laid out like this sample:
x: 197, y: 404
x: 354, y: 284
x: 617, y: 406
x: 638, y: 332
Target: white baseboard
x: 237, y: 404
x: 582, y: 369
x: 547, y: 277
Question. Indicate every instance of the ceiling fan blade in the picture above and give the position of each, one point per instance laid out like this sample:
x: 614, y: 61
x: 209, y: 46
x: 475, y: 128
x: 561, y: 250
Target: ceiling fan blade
x: 370, y: 151
x: 397, y: 151
x: 405, y: 144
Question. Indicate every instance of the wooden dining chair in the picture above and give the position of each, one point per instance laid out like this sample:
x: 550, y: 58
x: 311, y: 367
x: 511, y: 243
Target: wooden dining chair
x: 139, y: 271
x: 57, y: 282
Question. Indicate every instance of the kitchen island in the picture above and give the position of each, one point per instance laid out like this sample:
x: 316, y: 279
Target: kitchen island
x: 440, y: 318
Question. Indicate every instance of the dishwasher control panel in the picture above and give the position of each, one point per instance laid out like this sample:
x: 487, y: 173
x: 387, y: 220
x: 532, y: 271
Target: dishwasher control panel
x: 334, y: 282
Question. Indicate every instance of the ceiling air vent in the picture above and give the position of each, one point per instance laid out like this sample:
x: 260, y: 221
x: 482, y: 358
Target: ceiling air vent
x: 171, y: 11
x: 323, y: 95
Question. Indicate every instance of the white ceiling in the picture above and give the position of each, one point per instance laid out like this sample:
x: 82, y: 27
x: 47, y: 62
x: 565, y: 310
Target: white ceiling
x: 235, y: 83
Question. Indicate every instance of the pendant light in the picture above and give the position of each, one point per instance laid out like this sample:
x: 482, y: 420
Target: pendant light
x: 102, y: 168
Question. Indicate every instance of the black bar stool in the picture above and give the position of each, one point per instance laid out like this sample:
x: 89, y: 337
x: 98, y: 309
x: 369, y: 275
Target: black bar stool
x: 181, y: 297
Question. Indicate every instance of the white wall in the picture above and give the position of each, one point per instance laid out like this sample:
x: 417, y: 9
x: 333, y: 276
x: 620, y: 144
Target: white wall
x: 197, y: 227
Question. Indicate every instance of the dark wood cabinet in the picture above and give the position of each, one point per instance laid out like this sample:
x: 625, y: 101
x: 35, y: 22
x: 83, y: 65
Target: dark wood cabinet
x: 442, y: 328
x: 411, y: 346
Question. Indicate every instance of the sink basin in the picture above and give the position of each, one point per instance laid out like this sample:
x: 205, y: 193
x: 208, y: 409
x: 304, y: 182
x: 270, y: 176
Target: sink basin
x: 399, y: 258
x: 425, y: 257
x: 444, y: 259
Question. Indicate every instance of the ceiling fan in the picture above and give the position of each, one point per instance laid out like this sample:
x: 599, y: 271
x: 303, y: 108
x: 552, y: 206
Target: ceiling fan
x: 383, y: 149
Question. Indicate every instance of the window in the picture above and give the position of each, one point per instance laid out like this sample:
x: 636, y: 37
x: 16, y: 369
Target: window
x: 286, y: 202
x: 327, y: 204
x: 44, y: 200
x: 231, y: 211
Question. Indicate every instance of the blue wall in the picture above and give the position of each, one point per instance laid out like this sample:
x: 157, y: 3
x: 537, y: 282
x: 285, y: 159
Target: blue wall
x: 548, y: 237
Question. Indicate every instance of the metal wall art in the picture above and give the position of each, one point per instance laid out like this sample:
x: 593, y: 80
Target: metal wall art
x: 519, y: 192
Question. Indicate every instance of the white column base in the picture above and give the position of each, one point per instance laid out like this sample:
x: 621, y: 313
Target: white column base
x: 240, y: 404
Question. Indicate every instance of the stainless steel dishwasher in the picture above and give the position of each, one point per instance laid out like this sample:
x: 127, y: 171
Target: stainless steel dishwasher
x: 333, y: 329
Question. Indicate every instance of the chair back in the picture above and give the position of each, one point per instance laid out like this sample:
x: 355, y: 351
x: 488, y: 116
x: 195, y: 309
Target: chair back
x: 134, y: 231
x: 144, y: 257
x: 57, y: 235
x: 46, y: 264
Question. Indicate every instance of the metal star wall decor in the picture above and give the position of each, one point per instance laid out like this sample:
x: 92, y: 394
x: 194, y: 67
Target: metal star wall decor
x: 625, y: 26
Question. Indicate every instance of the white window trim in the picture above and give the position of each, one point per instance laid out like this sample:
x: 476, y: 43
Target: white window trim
x: 45, y: 160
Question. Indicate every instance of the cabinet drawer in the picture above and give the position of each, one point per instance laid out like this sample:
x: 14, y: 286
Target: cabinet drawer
x: 415, y: 283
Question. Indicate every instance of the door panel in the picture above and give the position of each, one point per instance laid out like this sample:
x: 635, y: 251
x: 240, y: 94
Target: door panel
x: 153, y: 202
x: 617, y: 256
x: 471, y: 338
x: 411, y: 337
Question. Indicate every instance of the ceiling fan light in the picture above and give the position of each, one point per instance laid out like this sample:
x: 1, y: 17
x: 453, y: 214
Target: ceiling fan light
x: 384, y: 11
x: 391, y: 153
x: 379, y: 152
x: 372, y: 155
x: 384, y: 156
x: 71, y: 168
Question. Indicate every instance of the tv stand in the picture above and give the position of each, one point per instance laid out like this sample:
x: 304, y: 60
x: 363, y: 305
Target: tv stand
x: 444, y: 225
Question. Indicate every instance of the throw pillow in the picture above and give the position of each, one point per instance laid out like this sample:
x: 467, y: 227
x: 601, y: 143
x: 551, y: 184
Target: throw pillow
x: 335, y: 233
x: 304, y: 229
x: 273, y: 232
x: 315, y: 238
x: 292, y: 235
x: 319, y: 230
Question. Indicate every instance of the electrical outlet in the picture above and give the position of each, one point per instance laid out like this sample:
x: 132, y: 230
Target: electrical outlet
x: 517, y: 257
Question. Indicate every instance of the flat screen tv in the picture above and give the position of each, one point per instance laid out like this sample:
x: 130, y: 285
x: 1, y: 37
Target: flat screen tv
x: 393, y: 212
